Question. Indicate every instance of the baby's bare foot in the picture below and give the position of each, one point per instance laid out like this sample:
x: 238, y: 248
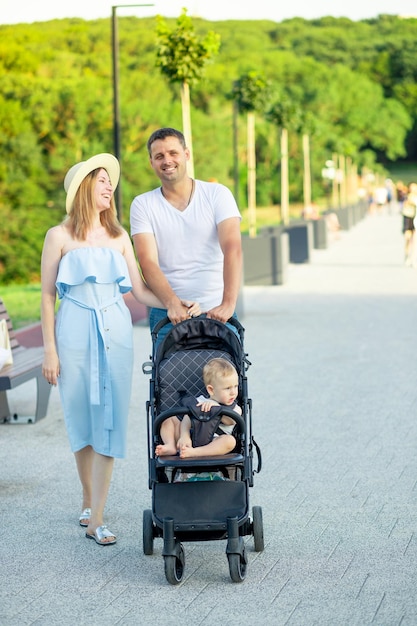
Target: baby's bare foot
x: 186, y: 452
x: 165, y: 449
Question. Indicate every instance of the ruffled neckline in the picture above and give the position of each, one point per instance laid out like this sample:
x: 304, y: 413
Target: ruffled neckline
x: 93, y: 264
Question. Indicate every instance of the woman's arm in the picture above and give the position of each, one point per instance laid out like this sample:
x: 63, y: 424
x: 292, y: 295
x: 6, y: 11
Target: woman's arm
x: 51, y: 256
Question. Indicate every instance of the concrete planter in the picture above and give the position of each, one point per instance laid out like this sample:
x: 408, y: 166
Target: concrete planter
x: 265, y: 258
x: 345, y: 216
x: 301, y: 241
x: 320, y: 240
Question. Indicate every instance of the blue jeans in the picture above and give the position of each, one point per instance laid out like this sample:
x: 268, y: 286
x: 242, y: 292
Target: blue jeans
x: 156, y: 315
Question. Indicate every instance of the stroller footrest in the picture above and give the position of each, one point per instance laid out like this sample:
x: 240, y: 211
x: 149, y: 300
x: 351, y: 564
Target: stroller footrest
x: 202, y: 461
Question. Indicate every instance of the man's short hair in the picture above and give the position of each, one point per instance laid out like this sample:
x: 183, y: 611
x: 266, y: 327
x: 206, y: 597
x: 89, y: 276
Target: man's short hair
x: 163, y: 133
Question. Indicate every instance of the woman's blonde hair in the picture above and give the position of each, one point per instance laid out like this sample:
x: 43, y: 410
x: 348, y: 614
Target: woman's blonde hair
x: 81, y: 218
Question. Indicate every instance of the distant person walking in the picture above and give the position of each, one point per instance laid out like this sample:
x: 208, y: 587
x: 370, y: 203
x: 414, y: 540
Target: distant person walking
x: 381, y: 198
x: 401, y: 191
x: 409, y: 210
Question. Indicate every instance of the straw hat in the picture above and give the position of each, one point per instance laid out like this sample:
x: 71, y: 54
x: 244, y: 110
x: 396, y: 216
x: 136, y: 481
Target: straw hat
x: 79, y: 171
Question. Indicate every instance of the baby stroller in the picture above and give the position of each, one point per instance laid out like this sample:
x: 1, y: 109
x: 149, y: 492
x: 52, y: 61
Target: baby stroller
x: 212, y: 503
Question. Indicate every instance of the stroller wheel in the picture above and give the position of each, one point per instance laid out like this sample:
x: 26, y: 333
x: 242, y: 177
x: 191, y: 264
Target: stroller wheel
x: 238, y: 564
x: 258, y: 529
x: 147, y: 532
x: 174, y: 567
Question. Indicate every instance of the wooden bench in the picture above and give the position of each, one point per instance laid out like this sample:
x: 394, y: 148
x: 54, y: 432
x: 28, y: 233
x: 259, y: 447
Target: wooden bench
x: 27, y: 365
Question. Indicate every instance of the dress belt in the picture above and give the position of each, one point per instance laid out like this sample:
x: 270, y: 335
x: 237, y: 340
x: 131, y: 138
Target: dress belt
x: 96, y: 329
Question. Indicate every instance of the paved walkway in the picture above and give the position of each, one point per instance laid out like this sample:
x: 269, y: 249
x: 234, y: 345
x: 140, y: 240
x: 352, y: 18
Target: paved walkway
x: 335, y: 401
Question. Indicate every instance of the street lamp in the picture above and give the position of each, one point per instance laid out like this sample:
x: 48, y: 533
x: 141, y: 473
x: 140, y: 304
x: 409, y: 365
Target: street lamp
x: 116, y: 110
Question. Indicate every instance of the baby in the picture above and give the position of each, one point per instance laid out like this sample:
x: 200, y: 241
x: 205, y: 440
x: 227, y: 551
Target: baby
x: 221, y: 382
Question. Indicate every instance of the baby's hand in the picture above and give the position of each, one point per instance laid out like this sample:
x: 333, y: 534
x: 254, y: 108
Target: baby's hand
x: 207, y: 404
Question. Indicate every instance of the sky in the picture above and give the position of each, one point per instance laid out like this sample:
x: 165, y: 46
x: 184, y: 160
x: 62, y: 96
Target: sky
x: 18, y: 11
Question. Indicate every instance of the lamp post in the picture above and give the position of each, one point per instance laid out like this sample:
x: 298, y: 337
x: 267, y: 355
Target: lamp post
x: 116, y: 110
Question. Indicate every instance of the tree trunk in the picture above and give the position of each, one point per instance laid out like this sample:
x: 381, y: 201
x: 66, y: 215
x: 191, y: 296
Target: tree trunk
x: 306, y: 173
x: 285, y: 205
x: 251, y: 175
x: 342, y: 166
x: 236, y: 151
x: 335, y: 183
x: 186, y: 125
x: 352, y: 181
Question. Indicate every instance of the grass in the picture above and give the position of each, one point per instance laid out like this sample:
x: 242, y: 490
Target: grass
x: 23, y: 303
x: 268, y: 216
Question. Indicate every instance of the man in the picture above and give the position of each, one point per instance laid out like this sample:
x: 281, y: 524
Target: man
x: 187, y: 236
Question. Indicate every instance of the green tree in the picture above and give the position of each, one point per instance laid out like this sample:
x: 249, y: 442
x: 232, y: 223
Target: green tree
x: 251, y: 92
x: 286, y: 115
x: 182, y: 56
x: 306, y: 128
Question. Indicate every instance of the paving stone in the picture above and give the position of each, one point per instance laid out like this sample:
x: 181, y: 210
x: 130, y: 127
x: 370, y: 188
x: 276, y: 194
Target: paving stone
x: 333, y: 374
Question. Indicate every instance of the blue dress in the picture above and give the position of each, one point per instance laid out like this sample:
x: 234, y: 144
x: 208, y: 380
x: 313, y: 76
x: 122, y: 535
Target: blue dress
x: 95, y: 347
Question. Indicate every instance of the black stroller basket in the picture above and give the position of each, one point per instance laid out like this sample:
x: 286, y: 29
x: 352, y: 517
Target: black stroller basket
x: 212, y: 501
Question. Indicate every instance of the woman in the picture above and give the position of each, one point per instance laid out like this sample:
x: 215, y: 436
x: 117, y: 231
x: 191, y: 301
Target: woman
x: 89, y: 260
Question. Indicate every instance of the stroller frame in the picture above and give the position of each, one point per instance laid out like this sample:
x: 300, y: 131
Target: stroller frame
x: 206, y: 509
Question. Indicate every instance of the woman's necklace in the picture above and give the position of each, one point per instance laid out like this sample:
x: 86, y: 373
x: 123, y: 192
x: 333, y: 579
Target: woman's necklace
x: 179, y: 206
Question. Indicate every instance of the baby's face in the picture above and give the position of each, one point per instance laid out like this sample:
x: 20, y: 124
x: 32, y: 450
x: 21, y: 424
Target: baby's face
x: 225, y: 389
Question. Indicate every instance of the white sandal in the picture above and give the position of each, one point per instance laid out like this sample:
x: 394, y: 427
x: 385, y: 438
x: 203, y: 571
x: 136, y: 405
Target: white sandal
x: 100, y: 533
x: 84, y: 518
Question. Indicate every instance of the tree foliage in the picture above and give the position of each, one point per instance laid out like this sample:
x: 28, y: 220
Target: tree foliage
x: 356, y: 81
x: 252, y: 91
x: 181, y: 55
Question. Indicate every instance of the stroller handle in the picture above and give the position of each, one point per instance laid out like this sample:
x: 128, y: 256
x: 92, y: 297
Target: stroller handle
x: 233, y: 321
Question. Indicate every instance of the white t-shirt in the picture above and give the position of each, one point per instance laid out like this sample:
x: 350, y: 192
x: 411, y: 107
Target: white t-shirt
x: 188, y: 248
